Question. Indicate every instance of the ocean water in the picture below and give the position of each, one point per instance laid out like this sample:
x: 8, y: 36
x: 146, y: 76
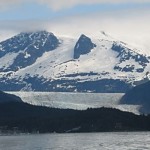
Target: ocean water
x: 76, y: 100
x: 78, y: 141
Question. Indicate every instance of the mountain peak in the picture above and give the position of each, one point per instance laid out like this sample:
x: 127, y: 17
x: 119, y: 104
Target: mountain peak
x: 36, y: 32
x: 29, y: 46
x: 24, y: 39
x: 83, y: 46
x: 35, y: 35
x: 83, y: 36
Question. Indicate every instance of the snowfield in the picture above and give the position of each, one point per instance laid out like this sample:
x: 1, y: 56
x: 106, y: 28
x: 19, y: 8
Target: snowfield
x: 42, y: 57
x: 78, y: 101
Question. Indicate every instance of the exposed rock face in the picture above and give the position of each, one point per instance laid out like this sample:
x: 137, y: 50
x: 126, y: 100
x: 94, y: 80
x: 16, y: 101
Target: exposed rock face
x: 83, y: 46
x: 125, y: 54
x: 29, y: 47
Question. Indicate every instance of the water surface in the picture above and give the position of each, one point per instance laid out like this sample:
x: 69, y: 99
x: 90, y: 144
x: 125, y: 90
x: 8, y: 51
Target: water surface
x: 78, y: 141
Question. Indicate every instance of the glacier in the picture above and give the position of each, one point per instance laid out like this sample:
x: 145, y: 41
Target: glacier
x: 78, y: 101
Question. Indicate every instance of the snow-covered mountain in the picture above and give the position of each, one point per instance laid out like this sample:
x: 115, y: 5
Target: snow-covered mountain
x: 41, y: 61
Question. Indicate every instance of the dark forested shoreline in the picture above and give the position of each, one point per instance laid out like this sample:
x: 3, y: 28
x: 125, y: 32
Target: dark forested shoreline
x: 26, y: 118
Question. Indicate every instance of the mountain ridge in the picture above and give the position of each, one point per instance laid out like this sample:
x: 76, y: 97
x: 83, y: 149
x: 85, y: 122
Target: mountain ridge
x: 100, y: 63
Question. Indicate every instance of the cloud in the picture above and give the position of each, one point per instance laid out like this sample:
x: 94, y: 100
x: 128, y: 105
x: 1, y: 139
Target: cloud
x: 55, y: 5
x: 22, y: 25
x: 64, y: 4
x: 131, y: 25
x: 7, y: 4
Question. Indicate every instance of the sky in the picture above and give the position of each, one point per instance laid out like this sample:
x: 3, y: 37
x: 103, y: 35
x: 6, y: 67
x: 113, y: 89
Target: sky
x: 122, y: 19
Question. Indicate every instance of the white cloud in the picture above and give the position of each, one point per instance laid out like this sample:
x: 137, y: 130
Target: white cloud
x: 131, y: 26
x: 55, y: 5
x: 63, y: 4
x: 8, y: 4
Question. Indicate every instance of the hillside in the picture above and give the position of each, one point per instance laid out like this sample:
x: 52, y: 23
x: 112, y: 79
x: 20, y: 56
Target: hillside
x: 5, y: 97
x: 23, y: 117
x: 41, y: 61
x: 139, y: 95
x: 17, y: 116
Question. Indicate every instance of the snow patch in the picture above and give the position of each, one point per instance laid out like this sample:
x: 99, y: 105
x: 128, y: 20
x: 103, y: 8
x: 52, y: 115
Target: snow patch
x: 27, y: 55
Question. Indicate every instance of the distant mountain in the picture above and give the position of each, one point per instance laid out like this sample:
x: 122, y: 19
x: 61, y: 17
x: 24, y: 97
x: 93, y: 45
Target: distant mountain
x: 40, y: 61
x: 139, y: 95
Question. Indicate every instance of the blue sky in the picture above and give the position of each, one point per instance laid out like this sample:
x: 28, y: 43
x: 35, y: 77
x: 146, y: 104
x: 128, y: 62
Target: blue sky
x: 122, y: 19
x: 28, y: 10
